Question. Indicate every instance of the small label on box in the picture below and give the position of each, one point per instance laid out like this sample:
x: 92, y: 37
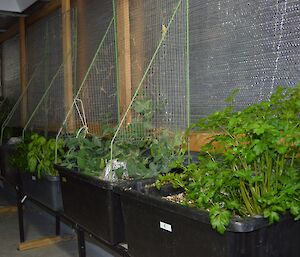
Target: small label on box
x: 33, y: 178
x: 165, y: 226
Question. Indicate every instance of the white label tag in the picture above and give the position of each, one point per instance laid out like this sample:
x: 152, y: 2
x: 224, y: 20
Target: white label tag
x: 165, y: 226
x: 33, y: 178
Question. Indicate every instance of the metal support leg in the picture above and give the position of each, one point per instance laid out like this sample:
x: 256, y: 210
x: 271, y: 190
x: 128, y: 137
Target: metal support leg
x: 81, y: 242
x: 20, y: 215
x: 57, y: 224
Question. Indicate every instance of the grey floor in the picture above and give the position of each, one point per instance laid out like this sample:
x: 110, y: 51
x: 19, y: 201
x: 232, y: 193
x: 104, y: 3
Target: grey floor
x: 37, y: 224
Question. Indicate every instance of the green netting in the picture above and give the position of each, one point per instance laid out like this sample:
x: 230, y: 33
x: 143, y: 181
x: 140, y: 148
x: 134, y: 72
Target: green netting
x: 159, y: 86
x: 159, y: 99
x: 95, y: 103
x: 16, y: 109
x: 44, y: 93
x: 46, y: 107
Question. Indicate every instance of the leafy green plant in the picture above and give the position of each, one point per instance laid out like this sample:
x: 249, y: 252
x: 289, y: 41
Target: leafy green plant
x: 144, y: 158
x: 86, y: 153
x: 255, y: 171
x: 145, y: 152
x: 36, y: 154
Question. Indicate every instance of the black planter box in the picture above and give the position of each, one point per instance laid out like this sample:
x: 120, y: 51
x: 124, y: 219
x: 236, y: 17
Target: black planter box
x: 93, y: 205
x: 155, y: 227
x: 45, y: 190
x: 9, y: 173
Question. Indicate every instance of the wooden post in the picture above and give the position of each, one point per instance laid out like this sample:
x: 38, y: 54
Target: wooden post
x: 124, y: 55
x: 82, y: 23
x: 138, y: 30
x: 67, y: 54
x: 23, y: 81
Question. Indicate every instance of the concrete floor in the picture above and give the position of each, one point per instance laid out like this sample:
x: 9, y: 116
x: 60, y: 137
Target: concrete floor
x: 37, y: 224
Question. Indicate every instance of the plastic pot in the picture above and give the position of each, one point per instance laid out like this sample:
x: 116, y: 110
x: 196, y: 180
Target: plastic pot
x: 45, y: 190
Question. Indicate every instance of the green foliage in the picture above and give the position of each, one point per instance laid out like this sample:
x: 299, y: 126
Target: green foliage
x: 86, y: 154
x: 144, y: 158
x: 36, y: 154
x: 256, y: 172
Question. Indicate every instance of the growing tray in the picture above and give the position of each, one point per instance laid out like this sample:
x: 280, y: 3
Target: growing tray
x: 92, y: 204
x: 157, y: 227
x: 45, y: 190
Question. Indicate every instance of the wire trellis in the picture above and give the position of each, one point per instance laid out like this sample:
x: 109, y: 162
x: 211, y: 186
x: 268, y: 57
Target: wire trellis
x: 96, y: 102
x: 160, y: 100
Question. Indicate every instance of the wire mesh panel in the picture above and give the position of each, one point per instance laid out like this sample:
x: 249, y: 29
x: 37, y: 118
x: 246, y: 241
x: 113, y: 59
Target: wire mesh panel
x: 159, y: 75
x: 44, y: 48
x: 96, y: 103
x: 250, y: 45
x: 11, y: 75
x: 46, y: 109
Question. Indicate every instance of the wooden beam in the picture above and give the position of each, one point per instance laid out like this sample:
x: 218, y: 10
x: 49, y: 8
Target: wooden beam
x: 82, y: 23
x: 124, y: 56
x: 43, y: 242
x: 37, y: 15
x: 137, y: 39
x: 23, y: 80
x: 8, y: 209
x: 11, y: 32
x: 67, y: 54
x: 47, y: 9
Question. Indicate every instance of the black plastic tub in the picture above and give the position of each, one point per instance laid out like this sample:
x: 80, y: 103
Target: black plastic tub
x: 8, y: 172
x: 92, y: 204
x: 45, y: 190
x: 155, y: 227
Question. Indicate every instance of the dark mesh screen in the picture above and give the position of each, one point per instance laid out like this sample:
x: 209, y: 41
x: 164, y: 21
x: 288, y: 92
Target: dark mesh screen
x: 250, y: 45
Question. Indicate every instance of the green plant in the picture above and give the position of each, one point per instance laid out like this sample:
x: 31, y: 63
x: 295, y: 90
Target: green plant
x: 144, y: 151
x: 144, y: 158
x: 86, y: 153
x: 36, y: 154
x: 255, y: 171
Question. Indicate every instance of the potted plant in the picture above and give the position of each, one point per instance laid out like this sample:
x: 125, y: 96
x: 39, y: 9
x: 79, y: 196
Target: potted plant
x: 88, y: 175
x: 88, y: 195
x: 34, y: 158
x: 242, y: 197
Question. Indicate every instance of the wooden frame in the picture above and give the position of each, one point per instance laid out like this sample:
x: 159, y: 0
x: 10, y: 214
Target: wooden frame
x: 23, y: 80
x: 124, y: 55
x: 67, y: 59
